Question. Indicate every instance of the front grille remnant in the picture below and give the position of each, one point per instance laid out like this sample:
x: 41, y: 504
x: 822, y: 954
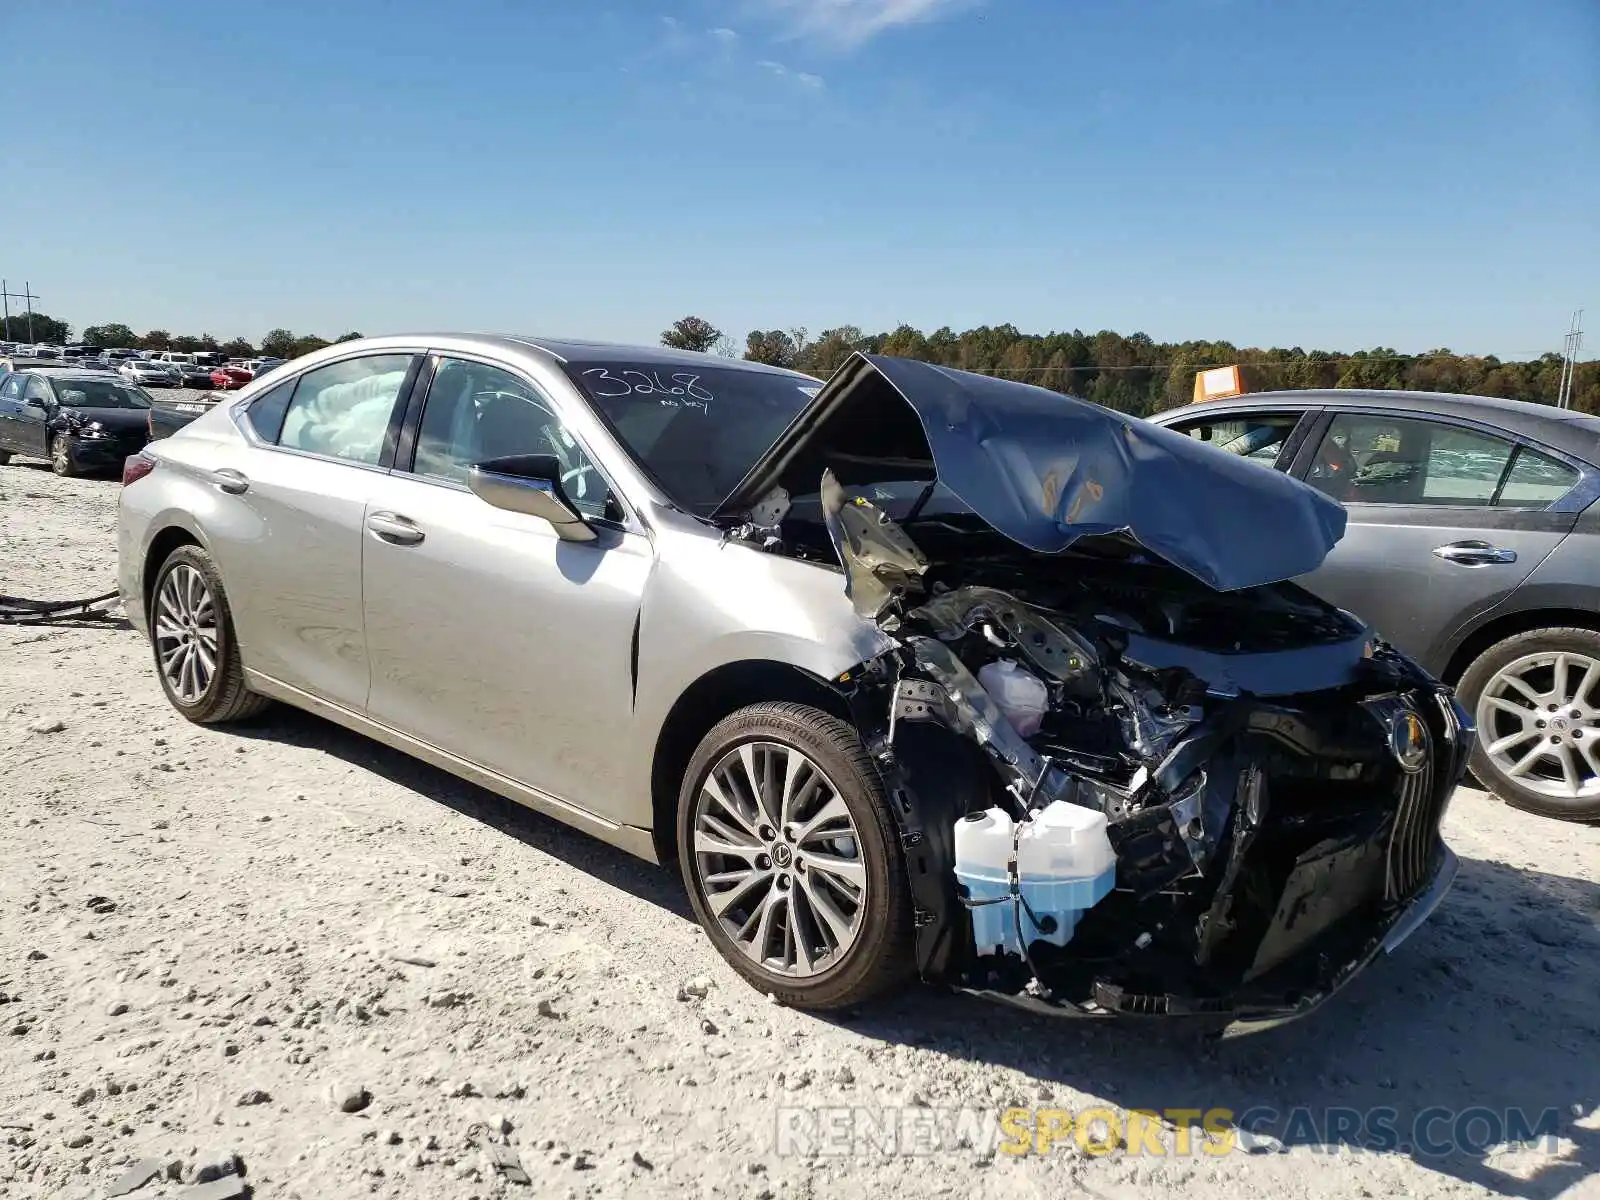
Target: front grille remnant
x: 1416, y: 827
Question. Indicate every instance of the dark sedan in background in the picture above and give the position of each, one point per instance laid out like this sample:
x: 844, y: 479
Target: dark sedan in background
x: 80, y: 420
x: 1471, y: 545
x: 192, y: 375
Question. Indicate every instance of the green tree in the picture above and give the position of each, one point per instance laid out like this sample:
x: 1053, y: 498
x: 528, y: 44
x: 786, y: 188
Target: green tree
x: 306, y: 344
x: 692, y: 333
x: 156, y: 339
x: 238, y: 348
x: 109, y: 336
x: 772, y: 346
x: 278, y: 344
x: 352, y: 336
x: 46, y: 329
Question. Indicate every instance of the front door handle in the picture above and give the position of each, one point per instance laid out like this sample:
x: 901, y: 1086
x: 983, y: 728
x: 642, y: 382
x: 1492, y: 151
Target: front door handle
x: 226, y: 479
x: 395, y: 529
x: 1474, y: 553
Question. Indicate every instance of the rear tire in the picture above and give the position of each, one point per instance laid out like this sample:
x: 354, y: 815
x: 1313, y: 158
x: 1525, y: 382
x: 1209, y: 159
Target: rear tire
x: 1535, y: 697
x: 839, y: 929
x: 192, y: 638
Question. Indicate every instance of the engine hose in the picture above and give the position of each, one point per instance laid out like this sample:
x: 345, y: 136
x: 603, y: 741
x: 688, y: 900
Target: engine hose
x: 18, y: 610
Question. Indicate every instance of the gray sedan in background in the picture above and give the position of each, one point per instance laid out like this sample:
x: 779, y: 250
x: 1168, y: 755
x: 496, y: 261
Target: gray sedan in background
x: 1471, y: 546
x: 812, y: 641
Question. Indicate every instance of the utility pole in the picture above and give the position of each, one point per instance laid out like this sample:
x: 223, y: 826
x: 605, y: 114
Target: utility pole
x: 27, y: 296
x: 1569, y: 360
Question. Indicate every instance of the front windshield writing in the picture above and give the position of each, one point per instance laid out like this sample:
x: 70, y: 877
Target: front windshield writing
x: 697, y: 430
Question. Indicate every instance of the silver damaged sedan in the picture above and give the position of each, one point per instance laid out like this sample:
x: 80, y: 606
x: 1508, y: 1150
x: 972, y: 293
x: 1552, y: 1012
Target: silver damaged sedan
x: 915, y: 673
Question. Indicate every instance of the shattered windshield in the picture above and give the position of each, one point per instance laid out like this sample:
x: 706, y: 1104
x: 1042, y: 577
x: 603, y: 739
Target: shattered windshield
x: 100, y: 393
x: 696, y: 430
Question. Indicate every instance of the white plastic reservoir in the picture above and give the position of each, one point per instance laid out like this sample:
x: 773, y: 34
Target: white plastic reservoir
x: 1022, y: 696
x: 1065, y: 866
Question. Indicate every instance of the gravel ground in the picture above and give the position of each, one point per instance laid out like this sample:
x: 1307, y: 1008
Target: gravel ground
x: 218, y: 942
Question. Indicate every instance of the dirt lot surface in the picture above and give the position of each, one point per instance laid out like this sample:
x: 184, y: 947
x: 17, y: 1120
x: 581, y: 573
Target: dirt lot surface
x: 216, y: 942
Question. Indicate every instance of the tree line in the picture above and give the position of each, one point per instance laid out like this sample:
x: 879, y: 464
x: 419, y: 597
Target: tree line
x: 1133, y: 374
x: 1138, y: 375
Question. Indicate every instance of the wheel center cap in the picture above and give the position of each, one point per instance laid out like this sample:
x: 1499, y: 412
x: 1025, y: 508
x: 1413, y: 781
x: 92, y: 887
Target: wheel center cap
x: 782, y: 855
x: 1558, y: 723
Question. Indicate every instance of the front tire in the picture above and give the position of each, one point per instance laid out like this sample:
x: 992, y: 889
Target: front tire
x: 1536, y: 700
x: 191, y: 634
x: 61, y: 456
x: 789, y: 852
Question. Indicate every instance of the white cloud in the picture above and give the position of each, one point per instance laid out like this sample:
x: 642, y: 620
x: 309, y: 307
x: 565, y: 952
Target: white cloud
x: 808, y: 80
x: 724, y: 35
x: 850, y: 23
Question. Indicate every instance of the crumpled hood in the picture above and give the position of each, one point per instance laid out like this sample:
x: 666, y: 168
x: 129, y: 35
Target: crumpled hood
x: 1046, y: 470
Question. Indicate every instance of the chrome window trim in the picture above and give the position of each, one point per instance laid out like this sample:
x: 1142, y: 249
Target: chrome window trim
x: 242, y: 403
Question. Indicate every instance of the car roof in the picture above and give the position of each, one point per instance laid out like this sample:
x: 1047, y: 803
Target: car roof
x: 71, y: 373
x: 566, y: 349
x: 1563, y: 428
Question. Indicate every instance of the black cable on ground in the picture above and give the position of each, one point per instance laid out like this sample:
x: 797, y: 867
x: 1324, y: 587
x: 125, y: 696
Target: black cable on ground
x: 18, y: 610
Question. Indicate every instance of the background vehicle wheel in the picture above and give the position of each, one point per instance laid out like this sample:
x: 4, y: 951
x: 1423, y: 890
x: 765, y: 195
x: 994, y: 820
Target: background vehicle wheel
x: 789, y: 851
x: 61, y: 456
x: 191, y: 633
x: 5, y: 457
x: 1536, y: 700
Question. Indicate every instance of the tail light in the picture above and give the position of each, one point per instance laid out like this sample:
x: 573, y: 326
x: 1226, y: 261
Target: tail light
x: 135, y: 467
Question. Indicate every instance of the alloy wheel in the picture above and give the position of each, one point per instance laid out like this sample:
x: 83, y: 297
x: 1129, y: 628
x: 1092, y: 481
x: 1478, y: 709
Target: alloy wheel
x: 778, y: 859
x: 1539, y: 723
x: 186, y: 633
x: 60, y: 455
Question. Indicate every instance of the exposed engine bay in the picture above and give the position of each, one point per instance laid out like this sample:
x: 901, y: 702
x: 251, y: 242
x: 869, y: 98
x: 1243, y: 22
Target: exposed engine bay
x: 1227, y: 797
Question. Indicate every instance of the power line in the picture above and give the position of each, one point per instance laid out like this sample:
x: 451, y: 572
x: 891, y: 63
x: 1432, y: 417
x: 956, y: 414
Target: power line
x: 7, y: 296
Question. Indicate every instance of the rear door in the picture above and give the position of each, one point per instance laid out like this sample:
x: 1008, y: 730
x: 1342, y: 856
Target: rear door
x: 1446, y: 518
x: 11, y: 386
x: 288, y: 530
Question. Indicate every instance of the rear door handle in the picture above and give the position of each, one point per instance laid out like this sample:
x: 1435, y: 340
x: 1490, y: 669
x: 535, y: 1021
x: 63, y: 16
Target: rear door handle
x: 226, y: 479
x: 1474, y: 553
x: 395, y: 529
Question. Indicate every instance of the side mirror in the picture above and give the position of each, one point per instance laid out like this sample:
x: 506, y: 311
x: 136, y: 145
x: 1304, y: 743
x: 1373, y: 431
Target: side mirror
x: 531, y: 484
x: 37, y: 408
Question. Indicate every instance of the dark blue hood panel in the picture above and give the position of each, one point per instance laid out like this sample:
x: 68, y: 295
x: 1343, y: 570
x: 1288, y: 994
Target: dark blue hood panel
x: 1046, y: 470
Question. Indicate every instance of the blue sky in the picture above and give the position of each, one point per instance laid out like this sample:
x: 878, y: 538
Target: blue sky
x: 1414, y: 173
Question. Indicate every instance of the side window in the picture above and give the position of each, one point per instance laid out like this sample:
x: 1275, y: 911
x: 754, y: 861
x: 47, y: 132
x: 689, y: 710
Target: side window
x: 1257, y: 437
x: 476, y: 412
x: 343, y: 410
x: 37, y: 392
x: 1398, y: 460
x: 11, y: 389
x: 1535, y: 480
x: 267, y: 410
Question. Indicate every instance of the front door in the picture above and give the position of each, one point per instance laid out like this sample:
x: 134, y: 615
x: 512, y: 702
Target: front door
x: 489, y: 636
x: 1445, y: 520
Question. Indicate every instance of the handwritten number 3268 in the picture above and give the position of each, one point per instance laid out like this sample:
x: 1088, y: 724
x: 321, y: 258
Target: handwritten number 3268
x: 682, y: 385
